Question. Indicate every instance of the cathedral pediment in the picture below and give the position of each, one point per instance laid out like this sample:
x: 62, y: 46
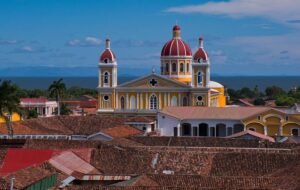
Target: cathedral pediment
x: 153, y: 81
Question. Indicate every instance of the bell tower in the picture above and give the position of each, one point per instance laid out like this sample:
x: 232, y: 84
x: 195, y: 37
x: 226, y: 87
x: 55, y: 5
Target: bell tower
x: 108, y: 67
x: 200, y: 67
x: 107, y: 80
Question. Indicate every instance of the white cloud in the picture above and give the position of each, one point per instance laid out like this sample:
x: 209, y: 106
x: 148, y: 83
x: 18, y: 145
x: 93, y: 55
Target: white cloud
x: 9, y: 42
x: 29, y: 49
x: 86, y: 42
x: 279, y: 10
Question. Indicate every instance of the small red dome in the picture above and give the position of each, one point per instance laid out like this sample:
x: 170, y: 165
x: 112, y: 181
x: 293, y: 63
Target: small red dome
x: 107, y: 56
x: 176, y: 47
x: 200, y: 55
x: 176, y: 27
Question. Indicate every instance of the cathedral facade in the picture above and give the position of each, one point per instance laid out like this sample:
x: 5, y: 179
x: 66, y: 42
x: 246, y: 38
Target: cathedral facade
x: 184, y: 80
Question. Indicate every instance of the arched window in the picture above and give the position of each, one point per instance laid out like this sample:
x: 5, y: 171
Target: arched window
x: 199, y: 60
x: 153, y: 102
x: 132, y: 102
x: 122, y: 103
x: 199, y: 77
x: 187, y: 67
x: 167, y: 68
x: 105, y: 60
x: 181, y: 67
x: 174, y: 101
x: 174, y: 69
x: 106, y: 78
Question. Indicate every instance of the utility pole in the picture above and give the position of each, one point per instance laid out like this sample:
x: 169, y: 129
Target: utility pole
x: 12, y: 183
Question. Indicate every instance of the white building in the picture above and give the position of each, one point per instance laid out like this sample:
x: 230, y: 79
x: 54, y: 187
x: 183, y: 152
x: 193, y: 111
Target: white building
x: 43, y: 106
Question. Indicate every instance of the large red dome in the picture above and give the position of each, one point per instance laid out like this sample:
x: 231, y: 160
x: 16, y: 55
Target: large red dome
x: 176, y: 46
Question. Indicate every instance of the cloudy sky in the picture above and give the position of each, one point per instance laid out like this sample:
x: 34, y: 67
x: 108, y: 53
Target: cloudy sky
x: 242, y: 37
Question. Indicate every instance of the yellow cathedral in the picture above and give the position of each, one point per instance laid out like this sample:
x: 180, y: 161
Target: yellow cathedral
x: 184, y: 80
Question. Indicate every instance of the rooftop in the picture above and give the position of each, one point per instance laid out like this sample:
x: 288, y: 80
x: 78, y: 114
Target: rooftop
x: 231, y: 113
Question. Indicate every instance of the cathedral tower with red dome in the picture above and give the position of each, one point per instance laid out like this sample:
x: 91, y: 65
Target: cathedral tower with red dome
x: 176, y: 58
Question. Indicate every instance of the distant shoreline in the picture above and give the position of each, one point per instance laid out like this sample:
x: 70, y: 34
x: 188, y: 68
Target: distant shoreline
x: 235, y: 82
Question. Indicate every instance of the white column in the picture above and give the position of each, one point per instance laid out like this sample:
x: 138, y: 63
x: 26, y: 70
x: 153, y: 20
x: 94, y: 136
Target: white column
x: 127, y: 101
x: 265, y: 130
x: 193, y: 77
x: 99, y: 79
x: 147, y: 102
x: 117, y: 100
x: 141, y: 100
x: 137, y: 100
x: 178, y: 129
x: 159, y: 100
x: 179, y: 100
x: 280, y: 130
x: 165, y: 99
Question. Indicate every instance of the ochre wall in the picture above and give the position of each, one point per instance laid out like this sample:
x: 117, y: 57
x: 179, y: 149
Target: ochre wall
x: 257, y: 126
x: 287, y: 128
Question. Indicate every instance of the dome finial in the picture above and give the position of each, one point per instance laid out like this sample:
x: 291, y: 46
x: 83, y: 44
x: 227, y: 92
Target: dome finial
x: 176, y: 31
x: 107, y: 43
x: 201, y: 42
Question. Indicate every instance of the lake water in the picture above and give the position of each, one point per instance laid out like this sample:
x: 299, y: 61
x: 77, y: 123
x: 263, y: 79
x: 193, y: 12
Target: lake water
x: 234, y: 82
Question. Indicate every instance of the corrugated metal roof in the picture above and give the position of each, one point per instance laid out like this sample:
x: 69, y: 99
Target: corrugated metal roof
x: 68, y: 163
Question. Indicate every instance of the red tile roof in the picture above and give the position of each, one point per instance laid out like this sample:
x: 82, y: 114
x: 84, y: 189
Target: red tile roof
x: 27, y: 176
x: 122, y: 131
x: 233, y: 113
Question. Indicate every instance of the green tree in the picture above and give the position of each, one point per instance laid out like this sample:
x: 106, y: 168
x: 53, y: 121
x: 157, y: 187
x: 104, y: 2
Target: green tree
x: 36, y: 93
x: 9, y: 103
x: 32, y: 113
x: 57, y: 89
x: 246, y: 93
x: 274, y: 91
x: 285, y: 100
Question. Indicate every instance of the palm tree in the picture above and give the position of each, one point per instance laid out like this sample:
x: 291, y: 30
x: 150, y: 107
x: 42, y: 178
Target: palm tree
x: 57, y: 89
x: 9, y: 103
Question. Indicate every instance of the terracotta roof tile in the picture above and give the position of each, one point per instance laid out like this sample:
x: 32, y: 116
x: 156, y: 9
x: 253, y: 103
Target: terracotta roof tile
x: 27, y: 176
x: 234, y: 113
x: 122, y: 131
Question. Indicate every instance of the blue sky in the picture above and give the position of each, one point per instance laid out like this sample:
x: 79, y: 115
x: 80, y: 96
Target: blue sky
x: 242, y: 37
